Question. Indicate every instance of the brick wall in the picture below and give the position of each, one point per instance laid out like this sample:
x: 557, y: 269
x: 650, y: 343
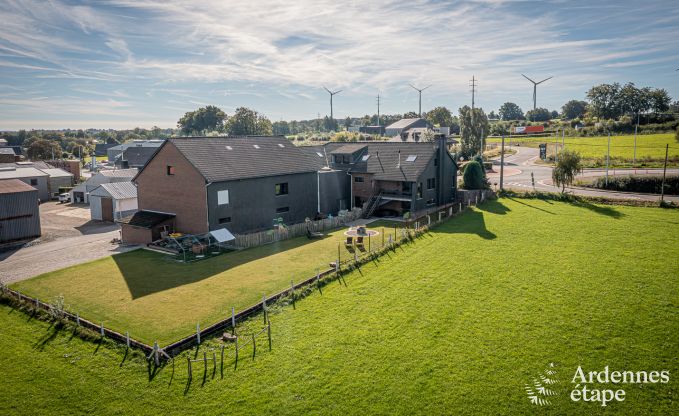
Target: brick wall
x: 182, y: 194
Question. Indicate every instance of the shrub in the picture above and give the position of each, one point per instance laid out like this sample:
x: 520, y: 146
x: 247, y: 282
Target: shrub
x: 473, y: 176
x: 643, y: 184
x: 568, y: 166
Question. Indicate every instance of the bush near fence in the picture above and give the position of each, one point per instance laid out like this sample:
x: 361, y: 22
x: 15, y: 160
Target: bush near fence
x: 295, y: 230
x: 644, y: 184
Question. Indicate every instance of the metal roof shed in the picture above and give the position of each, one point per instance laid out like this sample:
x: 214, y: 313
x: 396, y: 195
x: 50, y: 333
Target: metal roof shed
x: 19, y: 212
x: 113, y: 201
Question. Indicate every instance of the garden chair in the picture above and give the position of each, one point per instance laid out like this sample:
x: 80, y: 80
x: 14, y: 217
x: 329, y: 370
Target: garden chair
x: 349, y: 242
x: 359, y: 242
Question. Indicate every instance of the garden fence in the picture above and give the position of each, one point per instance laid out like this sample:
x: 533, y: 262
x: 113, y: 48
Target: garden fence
x: 295, y: 230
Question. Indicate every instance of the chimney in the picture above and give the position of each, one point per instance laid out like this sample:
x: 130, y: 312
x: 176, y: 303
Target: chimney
x: 399, y: 159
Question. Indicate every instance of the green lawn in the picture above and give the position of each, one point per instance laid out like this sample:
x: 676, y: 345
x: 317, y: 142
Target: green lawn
x: 456, y: 323
x: 650, y: 148
x: 157, y: 299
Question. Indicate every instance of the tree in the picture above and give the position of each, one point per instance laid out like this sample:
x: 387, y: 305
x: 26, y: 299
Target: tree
x: 330, y: 124
x: 410, y: 114
x: 567, y: 167
x: 41, y: 149
x: 660, y: 100
x: 440, y: 116
x: 204, y: 119
x: 247, y: 122
x: 603, y: 100
x: 474, y: 128
x: 539, y: 114
x: 264, y: 126
x: 492, y: 115
x: 510, y: 111
x: 473, y: 176
x: 574, y: 109
x: 347, y: 123
x: 281, y: 128
x: 554, y: 114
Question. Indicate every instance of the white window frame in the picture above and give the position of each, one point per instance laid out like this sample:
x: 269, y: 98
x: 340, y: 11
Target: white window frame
x: 223, y: 197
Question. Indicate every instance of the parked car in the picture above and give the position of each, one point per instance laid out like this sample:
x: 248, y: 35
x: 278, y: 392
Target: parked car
x: 63, y: 198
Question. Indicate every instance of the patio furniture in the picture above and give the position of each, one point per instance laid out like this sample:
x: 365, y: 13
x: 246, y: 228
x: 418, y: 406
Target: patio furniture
x: 359, y: 241
x: 311, y: 235
x: 349, y: 242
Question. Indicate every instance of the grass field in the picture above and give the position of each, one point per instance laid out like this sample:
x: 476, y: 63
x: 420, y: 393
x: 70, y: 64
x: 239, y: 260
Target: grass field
x: 650, y: 148
x: 157, y: 299
x: 456, y: 323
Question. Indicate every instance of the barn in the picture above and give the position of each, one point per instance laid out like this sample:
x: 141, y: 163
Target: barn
x: 113, y: 201
x: 19, y: 212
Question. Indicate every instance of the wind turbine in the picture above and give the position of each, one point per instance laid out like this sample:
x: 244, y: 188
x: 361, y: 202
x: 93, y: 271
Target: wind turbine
x: 332, y: 93
x: 419, y: 90
x: 535, y: 89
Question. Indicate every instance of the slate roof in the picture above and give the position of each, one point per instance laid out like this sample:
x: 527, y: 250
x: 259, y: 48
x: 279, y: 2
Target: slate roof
x: 116, y: 190
x: 221, y: 159
x: 349, y: 148
x: 12, y: 186
x: 137, y: 156
x: 119, y: 173
x: 146, y: 219
x: 317, y: 161
x: 384, y: 160
x: 404, y: 123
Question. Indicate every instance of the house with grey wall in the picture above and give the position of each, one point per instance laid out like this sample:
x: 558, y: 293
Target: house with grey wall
x: 29, y: 175
x: 243, y: 184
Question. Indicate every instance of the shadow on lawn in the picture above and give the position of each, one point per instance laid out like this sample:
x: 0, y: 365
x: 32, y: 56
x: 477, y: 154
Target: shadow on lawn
x: 146, y: 272
x: 474, y: 221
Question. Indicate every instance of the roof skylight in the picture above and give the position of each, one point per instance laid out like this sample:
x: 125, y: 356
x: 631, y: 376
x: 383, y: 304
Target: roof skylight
x: 281, y: 145
x: 365, y: 158
x: 256, y: 146
x: 229, y: 148
x: 319, y: 154
x: 411, y: 158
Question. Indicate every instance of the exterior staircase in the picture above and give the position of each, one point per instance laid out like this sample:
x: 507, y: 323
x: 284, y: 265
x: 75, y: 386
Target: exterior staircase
x: 372, y: 205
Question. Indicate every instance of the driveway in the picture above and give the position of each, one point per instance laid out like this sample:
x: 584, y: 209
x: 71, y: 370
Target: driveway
x: 522, y: 173
x: 69, y: 238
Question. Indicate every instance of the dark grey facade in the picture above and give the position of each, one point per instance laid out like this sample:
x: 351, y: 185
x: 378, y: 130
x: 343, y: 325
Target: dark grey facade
x: 334, y: 191
x: 19, y: 212
x: 253, y: 204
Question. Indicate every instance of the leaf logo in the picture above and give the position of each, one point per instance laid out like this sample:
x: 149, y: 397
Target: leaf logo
x: 541, y: 388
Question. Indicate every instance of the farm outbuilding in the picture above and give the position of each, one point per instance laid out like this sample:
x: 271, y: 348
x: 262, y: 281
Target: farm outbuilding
x: 81, y: 192
x: 19, y: 212
x: 29, y: 175
x: 113, y: 201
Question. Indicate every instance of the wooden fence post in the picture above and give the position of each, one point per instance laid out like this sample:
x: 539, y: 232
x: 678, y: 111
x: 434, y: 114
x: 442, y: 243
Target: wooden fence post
x: 205, y: 363
x: 254, y: 346
x: 198, y: 334
x: 127, y: 339
x: 264, y: 308
x: 155, y: 353
x: 102, y: 330
x: 77, y: 319
x: 233, y: 321
x: 221, y: 363
x: 214, y: 362
x: 292, y: 293
x: 318, y: 281
x: 188, y: 360
x: 235, y: 364
x: 268, y: 330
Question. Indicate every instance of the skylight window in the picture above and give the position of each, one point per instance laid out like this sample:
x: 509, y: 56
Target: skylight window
x: 281, y: 145
x: 365, y: 158
x: 229, y: 148
x: 319, y: 154
x: 256, y: 146
x: 411, y: 158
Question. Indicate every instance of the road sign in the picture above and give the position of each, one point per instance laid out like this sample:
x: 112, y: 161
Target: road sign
x: 543, y: 151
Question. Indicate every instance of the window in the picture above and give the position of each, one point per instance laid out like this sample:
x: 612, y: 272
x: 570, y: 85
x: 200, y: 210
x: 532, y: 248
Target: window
x: 411, y: 158
x: 431, y: 202
x: 281, y: 188
x: 365, y: 158
x: 431, y: 183
x: 346, y: 159
x: 34, y: 182
x: 223, y: 197
x: 282, y: 209
x: 281, y: 145
x: 229, y: 148
x: 225, y: 220
x: 319, y: 154
x: 358, y: 179
x: 170, y: 170
x: 256, y: 146
x: 419, y: 190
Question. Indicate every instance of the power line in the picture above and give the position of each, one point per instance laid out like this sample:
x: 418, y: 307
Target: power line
x: 473, y: 85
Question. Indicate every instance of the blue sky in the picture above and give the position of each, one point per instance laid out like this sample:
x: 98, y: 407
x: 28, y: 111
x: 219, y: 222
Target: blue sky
x: 127, y: 63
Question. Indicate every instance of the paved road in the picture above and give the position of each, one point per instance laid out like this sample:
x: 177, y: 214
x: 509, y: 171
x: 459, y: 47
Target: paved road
x: 520, y: 166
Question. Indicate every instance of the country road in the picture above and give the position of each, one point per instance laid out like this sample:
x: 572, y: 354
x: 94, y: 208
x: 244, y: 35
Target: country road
x: 520, y: 166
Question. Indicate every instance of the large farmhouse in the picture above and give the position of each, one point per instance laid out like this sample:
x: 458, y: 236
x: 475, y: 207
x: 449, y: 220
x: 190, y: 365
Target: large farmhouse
x: 198, y: 184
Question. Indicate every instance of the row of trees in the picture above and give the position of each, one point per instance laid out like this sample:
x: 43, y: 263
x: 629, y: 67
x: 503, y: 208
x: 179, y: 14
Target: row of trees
x: 212, y: 119
x: 609, y: 101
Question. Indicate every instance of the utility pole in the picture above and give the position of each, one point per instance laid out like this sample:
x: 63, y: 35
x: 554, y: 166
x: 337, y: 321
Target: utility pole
x: 634, y: 158
x: 419, y: 90
x: 473, y: 85
x: 664, y: 173
x: 608, y: 156
x: 502, y: 164
x: 556, y: 147
x: 378, y: 109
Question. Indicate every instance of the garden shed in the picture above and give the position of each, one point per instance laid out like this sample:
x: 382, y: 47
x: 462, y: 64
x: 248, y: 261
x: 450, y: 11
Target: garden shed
x: 113, y: 201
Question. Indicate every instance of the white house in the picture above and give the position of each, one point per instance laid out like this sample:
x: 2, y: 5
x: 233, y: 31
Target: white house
x: 113, y: 201
x: 81, y: 192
